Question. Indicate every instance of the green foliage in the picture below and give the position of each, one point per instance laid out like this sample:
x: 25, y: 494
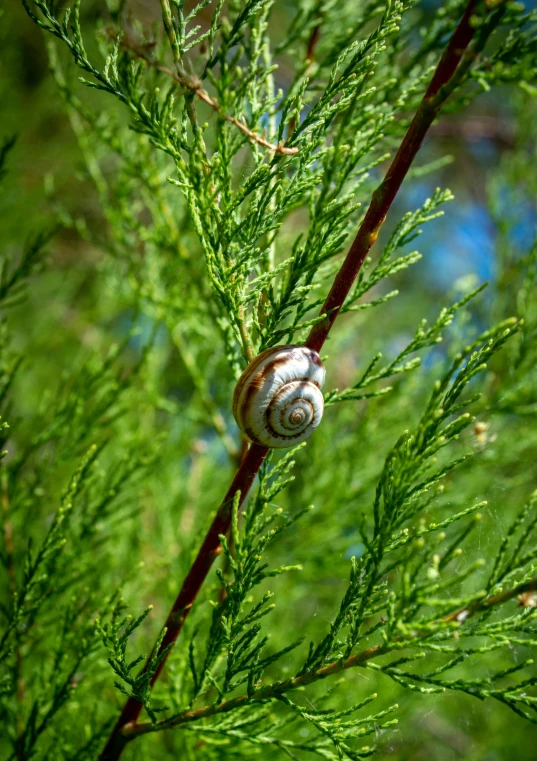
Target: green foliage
x: 115, y: 635
x: 224, y: 156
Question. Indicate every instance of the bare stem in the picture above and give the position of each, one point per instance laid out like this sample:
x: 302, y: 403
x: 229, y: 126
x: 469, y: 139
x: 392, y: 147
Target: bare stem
x: 247, y: 346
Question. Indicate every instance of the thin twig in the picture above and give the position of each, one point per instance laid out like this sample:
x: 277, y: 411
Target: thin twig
x: 247, y: 346
x: 274, y: 690
x: 522, y: 591
x: 8, y: 534
x: 193, y: 85
x: 441, y: 86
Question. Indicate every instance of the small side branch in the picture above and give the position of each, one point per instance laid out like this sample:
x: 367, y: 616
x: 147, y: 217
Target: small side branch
x: 185, y: 80
x: 526, y: 594
x: 275, y: 690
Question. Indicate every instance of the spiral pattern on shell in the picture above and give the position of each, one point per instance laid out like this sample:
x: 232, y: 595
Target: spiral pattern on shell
x: 278, y: 401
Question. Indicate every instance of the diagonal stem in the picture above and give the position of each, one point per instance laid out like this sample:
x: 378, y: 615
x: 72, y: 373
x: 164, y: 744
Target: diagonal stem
x: 454, y: 59
x: 383, y: 197
x: 207, y: 554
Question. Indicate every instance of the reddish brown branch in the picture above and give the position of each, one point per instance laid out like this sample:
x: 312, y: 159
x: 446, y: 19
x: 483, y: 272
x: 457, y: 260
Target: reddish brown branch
x: 263, y: 693
x: 382, y: 199
x: 384, y: 195
x: 525, y: 593
x: 312, y: 42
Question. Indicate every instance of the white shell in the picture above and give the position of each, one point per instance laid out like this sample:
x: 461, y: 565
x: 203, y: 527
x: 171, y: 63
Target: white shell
x: 278, y: 401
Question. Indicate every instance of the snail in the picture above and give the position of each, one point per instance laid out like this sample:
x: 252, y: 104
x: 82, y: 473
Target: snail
x: 278, y: 401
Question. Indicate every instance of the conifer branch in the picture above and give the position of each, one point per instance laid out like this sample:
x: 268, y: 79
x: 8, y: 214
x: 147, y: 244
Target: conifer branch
x: 207, y: 554
x: 273, y: 691
x: 522, y: 591
x: 455, y: 58
x: 192, y: 84
x: 308, y: 61
x: 233, y: 254
x: 442, y: 84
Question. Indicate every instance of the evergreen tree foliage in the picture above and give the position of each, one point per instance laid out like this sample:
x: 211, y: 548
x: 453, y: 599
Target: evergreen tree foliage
x: 385, y: 569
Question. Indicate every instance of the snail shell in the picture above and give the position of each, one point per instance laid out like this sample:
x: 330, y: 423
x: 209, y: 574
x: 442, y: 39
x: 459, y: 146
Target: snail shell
x: 278, y: 401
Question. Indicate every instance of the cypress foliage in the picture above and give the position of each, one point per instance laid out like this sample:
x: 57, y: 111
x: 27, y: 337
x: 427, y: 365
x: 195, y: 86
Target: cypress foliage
x: 232, y: 151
